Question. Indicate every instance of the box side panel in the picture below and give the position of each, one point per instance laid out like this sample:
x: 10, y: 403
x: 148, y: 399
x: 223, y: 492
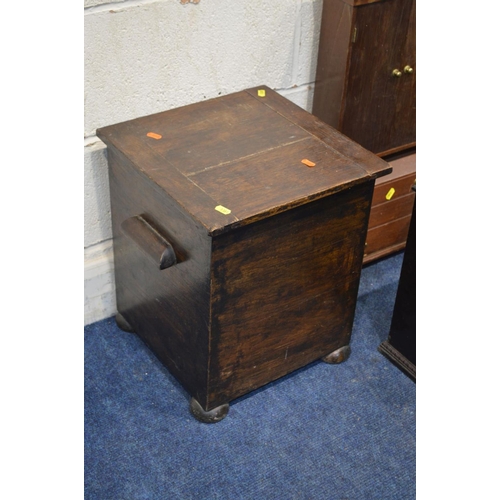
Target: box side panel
x: 168, y: 308
x: 284, y: 291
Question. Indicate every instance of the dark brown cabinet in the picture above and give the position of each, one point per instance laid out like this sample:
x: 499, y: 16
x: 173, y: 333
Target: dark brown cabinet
x: 365, y: 81
x: 400, y: 346
x: 366, y: 88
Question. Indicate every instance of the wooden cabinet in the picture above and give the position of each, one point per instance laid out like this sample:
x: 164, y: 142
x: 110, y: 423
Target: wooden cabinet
x: 390, y: 215
x: 366, y: 88
x: 400, y: 346
x: 365, y: 81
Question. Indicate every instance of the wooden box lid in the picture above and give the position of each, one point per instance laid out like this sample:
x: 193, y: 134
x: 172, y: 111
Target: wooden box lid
x: 236, y: 159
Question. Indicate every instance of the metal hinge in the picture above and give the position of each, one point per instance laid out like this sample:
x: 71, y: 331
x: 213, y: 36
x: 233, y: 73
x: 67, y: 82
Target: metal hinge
x: 354, y: 34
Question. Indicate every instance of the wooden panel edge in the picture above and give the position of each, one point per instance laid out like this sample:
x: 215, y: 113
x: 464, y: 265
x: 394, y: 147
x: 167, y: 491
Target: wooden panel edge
x: 398, y: 359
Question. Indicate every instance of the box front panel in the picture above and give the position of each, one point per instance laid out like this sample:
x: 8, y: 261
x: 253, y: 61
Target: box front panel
x: 168, y: 308
x: 284, y: 291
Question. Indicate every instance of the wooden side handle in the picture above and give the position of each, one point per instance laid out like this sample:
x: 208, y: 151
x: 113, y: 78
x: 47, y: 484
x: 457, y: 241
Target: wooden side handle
x: 150, y: 240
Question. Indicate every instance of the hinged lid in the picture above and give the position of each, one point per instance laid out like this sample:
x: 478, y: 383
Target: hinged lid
x: 242, y: 157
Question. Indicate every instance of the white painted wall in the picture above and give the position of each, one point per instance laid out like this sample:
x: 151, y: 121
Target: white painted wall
x: 146, y: 56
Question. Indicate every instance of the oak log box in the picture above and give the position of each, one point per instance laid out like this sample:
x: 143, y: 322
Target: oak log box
x: 238, y: 232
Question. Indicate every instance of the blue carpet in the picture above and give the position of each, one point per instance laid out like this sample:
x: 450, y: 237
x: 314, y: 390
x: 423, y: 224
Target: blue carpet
x: 331, y: 432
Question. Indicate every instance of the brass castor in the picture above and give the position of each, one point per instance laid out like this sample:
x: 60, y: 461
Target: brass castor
x: 123, y: 324
x: 208, y: 417
x: 338, y: 356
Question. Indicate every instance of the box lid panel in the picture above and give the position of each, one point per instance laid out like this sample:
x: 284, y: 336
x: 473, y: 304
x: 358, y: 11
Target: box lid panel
x: 276, y: 180
x: 215, y: 132
x: 373, y: 165
x: 238, y: 158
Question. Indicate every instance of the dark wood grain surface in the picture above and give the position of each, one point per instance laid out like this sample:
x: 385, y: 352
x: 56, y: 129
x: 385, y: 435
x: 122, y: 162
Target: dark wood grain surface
x: 203, y: 142
x: 379, y: 109
x: 170, y: 308
x: 336, y: 34
x: 361, y: 44
x: 401, y: 344
x: 284, y: 291
x: 238, y: 233
x: 403, y: 331
x: 374, y: 166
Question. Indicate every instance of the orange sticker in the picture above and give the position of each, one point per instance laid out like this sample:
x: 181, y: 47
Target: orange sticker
x: 153, y: 135
x: 308, y: 163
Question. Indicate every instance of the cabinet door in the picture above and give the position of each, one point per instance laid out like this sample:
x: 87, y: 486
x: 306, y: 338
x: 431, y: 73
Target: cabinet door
x: 379, y: 108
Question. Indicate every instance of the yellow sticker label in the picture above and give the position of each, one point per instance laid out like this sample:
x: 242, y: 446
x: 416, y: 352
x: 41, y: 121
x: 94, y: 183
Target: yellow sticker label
x: 222, y: 210
x: 390, y: 194
x: 153, y: 135
x: 261, y: 93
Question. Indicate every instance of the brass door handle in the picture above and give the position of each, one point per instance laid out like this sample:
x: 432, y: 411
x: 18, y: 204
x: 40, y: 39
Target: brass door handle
x: 408, y: 70
x: 396, y: 73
